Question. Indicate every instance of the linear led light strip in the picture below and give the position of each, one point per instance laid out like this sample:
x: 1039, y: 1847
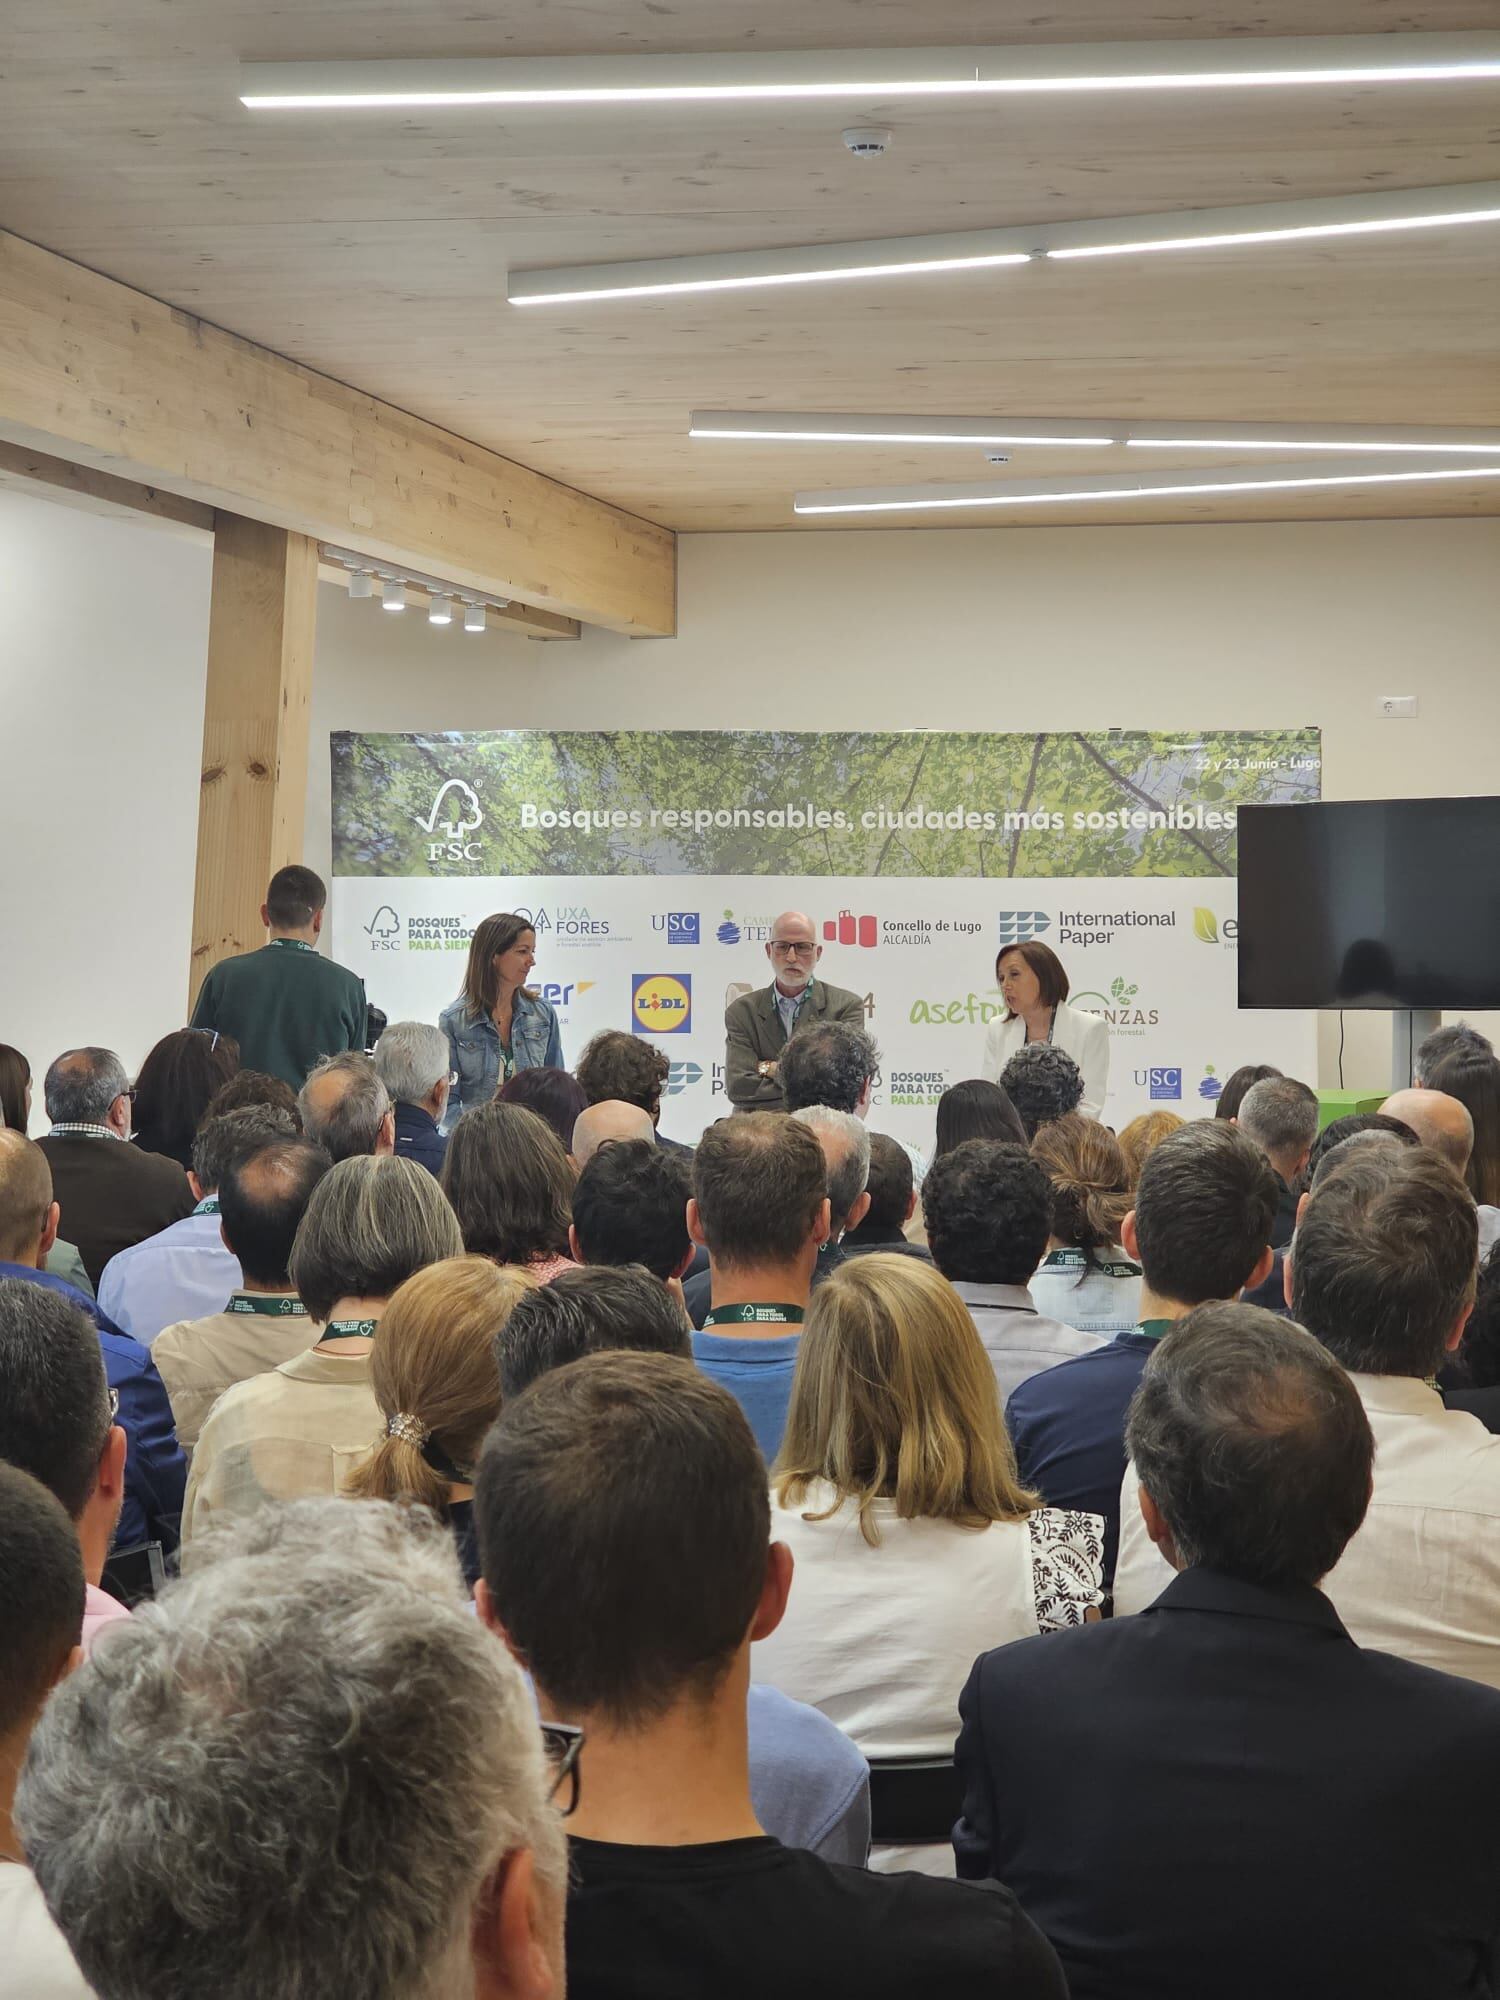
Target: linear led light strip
x: 967, y: 250
x: 871, y: 74
x: 841, y: 427
x: 1275, y: 479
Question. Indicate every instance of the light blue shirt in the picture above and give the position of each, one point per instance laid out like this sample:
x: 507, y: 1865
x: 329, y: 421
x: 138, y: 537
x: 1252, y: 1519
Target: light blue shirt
x: 790, y: 1005
x: 809, y: 1785
x: 757, y: 1371
x: 182, y: 1272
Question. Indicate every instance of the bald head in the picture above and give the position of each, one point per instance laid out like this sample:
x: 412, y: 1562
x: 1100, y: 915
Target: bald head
x: 1438, y: 1120
x: 346, y: 1109
x: 611, y: 1118
x: 25, y: 1197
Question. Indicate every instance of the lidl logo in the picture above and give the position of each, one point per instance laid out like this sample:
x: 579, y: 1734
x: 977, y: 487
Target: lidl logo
x: 1165, y: 1084
x: 681, y: 926
x: 661, y: 1003
x: 682, y: 1076
x: 1018, y: 925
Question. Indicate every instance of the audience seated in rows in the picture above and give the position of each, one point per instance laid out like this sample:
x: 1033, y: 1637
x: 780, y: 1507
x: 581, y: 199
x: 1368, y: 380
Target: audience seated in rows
x: 605, y: 1308
x: 626, y: 1069
x: 155, y: 1473
x: 295, y: 1431
x: 111, y: 1193
x: 263, y: 1195
x: 1237, y: 1084
x: 1200, y: 1230
x: 976, y: 1109
x: 1140, y: 1139
x: 41, y: 1578
x: 411, y: 1060
x: 1043, y: 1082
x: 174, y: 1087
x: 916, y: 1546
x: 640, y: 1634
x: 57, y: 1423
x: 358, y: 1793
x: 606, y: 1122
x: 988, y: 1209
x: 630, y: 1207
x: 1086, y: 1280
x: 892, y: 1190
x: 1249, y: 1802
x: 555, y: 1097
x: 510, y: 1185
x: 187, y: 1270
x: 434, y: 1379
x: 346, y: 1109
x: 1280, y: 1115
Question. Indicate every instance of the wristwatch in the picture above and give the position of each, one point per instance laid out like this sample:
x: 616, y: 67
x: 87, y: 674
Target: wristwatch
x: 765, y: 1068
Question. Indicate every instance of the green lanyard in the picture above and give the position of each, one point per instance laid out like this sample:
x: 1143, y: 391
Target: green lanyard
x: 288, y: 944
x: 274, y: 1306
x: 208, y: 1206
x: 350, y: 1329
x: 1154, y: 1329
x: 753, y: 1316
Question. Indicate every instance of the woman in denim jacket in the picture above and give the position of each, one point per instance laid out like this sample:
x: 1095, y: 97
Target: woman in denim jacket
x: 498, y: 1024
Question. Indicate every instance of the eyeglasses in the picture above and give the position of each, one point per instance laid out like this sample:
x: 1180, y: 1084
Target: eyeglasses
x: 114, y: 1404
x: 793, y: 948
x: 563, y: 1741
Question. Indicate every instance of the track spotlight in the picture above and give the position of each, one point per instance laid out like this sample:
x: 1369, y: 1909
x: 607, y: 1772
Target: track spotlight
x: 393, y: 594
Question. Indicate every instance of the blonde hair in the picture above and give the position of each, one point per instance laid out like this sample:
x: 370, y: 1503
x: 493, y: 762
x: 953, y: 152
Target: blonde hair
x: 1090, y: 1187
x: 894, y: 1398
x: 433, y: 1369
x: 1141, y: 1138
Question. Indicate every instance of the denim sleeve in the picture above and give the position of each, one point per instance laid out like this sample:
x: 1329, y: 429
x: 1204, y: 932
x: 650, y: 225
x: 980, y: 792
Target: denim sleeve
x: 554, y: 1043
x: 155, y: 1469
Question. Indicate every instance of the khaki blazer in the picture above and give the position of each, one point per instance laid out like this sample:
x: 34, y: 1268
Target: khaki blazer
x: 753, y: 1034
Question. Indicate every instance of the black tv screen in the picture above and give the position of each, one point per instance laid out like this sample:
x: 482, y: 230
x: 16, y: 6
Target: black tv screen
x: 1370, y: 903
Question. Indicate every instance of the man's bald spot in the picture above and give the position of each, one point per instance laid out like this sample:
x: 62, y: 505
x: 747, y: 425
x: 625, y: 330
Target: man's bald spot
x: 611, y: 1118
x: 1439, y: 1121
x: 25, y: 1195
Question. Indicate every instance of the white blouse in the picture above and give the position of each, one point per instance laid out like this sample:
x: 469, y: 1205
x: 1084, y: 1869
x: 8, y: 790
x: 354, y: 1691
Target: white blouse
x: 1082, y: 1036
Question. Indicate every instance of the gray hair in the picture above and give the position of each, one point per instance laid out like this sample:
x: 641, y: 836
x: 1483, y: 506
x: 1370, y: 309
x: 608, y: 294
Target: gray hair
x: 412, y: 1059
x: 845, y: 1140
x: 1279, y: 1115
x: 369, y: 1224
x: 345, y: 1120
x: 1455, y: 1038
x: 294, y: 1773
x: 81, y: 1086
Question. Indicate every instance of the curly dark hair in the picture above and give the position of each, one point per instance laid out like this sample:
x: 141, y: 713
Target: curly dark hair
x: 623, y: 1067
x: 630, y: 1207
x: 988, y: 1210
x: 828, y: 1064
x: 1043, y: 1082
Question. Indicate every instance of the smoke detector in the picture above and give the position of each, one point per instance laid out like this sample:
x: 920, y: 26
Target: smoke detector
x: 997, y: 458
x: 866, y: 142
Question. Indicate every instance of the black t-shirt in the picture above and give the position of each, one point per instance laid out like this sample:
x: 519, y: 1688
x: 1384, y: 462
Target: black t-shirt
x: 744, y: 1919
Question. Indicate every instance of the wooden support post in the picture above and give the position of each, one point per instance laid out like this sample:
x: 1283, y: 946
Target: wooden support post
x: 261, y: 623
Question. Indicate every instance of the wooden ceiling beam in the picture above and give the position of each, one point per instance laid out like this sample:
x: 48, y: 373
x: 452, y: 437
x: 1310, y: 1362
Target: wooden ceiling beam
x: 94, y: 372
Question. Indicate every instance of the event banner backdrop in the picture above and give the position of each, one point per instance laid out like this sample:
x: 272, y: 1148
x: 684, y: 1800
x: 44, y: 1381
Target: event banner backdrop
x: 652, y: 865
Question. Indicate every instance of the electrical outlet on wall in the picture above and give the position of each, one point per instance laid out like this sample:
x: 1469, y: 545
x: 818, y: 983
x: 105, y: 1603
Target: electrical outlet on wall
x: 1398, y: 704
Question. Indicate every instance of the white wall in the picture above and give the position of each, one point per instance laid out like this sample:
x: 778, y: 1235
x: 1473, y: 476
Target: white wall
x: 102, y: 638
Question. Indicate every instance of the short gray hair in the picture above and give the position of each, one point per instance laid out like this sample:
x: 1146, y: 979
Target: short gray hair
x: 291, y: 1774
x: 845, y: 1140
x: 81, y: 1086
x: 349, y: 1122
x: 370, y: 1223
x: 1280, y: 1115
x: 412, y: 1059
x: 1452, y: 1039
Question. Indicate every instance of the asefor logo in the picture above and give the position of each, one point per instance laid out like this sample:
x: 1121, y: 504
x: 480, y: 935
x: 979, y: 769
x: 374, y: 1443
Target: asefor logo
x: 1208, y: 929
x: 682, y: 1076
x: 661, y: 1003
x: 1018, y: 925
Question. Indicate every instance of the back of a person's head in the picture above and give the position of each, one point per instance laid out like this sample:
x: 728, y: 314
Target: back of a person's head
x: 616, y: 1064
x: 249, y: 1087
x: 1334, y: 1156
x: 988, y: 1211
x: 507, y: 1175
x: 25, y: 1196
x: 889, y: 1187
x: 82, y: 1084
x: 556, y: 1097
x: 1455, y: 1038
x: 343, y: 1105
x: 54, y: 1399
x: 1281, y: 1116
x: 42, y: 1590
x: 1043, y: 1082
x: 1254, y: 1446
x: 895, y: 1399
x: 607, y: 1122
x: 642, y: 1481
x: 845, y: 1140
x: 224, y: 1138
x: 15, y: 1080
x: 630, y: 1207
x: 592, y: 1309
x: 177, y: 1082
x: 300, y: 1774
x: 1474, y: 1079
x: 759, y: 1182
x: 369, y: 1224
x: 1203, y: 1213
x: 433, y: 1374
x: 1383, y: 1263
x: 1238, y: 1083
x: 1141, y: 1137
x: 1090, y: 1185
x: 976, y: 1109
x: 263, y: 1196
x: 829, y: 1063
x: 1438, y: 1120
x: 411, y: 1059
x: 1337, y: 1130
x: 294, y: 898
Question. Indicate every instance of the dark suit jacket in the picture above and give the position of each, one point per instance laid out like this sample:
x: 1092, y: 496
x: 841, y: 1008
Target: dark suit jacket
x: 112, y: 1195
x: 753, y: 1034
x: 418, y: 1138
x: 1226, y: 1799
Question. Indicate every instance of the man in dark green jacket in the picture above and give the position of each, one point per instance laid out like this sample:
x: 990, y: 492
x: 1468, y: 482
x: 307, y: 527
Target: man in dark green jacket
x: 286, y: 1005
x: 758, y: 1026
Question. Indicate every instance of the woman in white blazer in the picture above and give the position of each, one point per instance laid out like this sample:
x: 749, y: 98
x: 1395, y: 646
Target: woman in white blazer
x: 1034, y: 988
